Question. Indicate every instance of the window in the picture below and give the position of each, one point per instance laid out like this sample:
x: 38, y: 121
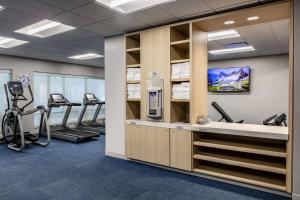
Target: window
x: 5, y: 76
x: 72, y: 87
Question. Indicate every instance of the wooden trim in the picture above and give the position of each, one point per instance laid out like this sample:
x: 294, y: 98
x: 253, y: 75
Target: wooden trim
x: 180, y: 80
x: 180, y: 100
x: 180, y: 61
x: 134, y: 66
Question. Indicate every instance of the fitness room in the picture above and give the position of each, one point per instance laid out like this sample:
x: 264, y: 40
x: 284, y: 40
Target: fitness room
x: 149, y: 99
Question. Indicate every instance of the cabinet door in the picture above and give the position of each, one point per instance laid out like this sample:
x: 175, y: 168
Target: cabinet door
x: 181, y: 149
x: 157, y: 145
x: 134, y: 142
x: 150, y: 144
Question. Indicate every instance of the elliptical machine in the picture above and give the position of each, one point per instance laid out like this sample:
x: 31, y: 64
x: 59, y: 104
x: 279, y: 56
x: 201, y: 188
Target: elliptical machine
x: 13, y: 132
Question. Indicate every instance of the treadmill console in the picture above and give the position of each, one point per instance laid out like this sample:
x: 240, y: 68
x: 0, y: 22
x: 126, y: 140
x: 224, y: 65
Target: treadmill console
x: 15, y: 88
x: 58, y: 98
x: 90, y: 98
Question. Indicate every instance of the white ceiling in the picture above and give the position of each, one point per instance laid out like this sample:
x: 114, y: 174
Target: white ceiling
x: 267, y: 38
x: 94, y: 22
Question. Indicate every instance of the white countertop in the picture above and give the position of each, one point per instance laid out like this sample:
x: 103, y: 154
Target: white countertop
x: 250, y: 130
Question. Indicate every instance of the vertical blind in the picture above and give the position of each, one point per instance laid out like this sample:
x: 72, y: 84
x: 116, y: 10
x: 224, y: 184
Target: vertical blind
x: 5, y: 76
x: 72, y: 87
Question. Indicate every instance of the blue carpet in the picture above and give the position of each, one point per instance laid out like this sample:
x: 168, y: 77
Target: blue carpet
x: 67, y: 171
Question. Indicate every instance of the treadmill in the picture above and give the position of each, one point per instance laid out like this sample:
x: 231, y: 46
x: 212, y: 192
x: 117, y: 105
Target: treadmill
x: 89, y: 99
x: 62, y: 131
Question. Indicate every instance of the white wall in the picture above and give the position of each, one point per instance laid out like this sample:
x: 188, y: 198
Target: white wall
x: 115, y: 70
x: 268, y: 90
x: 28, y: 66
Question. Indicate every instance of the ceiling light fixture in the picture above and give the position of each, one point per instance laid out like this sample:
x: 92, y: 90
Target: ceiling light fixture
x: 232, y: 50
x: 7, y: 43
x: 2, y: 8
x: 86, y: 56
x: 229, y: 22
x: 253, y: 18
x: 220, y: 35
x: 129, y: 6
x: 45, y: 28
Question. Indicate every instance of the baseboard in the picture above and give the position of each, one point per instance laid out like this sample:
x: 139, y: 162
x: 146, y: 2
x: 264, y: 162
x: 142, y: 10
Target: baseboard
x: 115, y: 155
x: 296, y: 196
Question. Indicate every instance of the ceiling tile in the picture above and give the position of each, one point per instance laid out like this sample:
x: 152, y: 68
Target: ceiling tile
x: 125, y: 23
x: 281, y: 32
x: 18, y: 17
x: 9, y: 27
x: 6, y: 2
x: 186, y: 7
x: 154, y: 16
x: 66, y: 4
x: 95, y: 11
x: 223, y: 4
x: 72, y: 19
x: 100, y: 28
x: 35, y: 8
x: 79, y: 33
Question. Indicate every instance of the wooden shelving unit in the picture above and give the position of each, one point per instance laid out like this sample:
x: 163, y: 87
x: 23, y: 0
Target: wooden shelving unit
x: 244, y: 159
x: 180, y: 53
x: 133, y: 60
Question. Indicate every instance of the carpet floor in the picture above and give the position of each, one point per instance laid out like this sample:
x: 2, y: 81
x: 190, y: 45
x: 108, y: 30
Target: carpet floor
x: 68, y: 171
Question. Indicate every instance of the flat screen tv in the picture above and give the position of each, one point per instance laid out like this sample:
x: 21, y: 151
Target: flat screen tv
x: 234, y: 79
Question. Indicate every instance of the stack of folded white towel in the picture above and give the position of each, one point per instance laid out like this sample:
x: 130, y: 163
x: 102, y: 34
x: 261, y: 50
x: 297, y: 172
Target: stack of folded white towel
x: 133, y: 91
x: 181, y: 91
x: 133, y: 74
x: 180, y: 70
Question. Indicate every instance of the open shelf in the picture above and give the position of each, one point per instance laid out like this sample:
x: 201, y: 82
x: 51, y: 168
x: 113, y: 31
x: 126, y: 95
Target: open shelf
x: 133, y: 66
x: 179, y: 61
x: 245, y: 162
x: 133, y: 58
x: 180, y: 100
x: 180, y: 80
x: 183, y: 44
x: 179, y: 53
x: 133, y: 82
x: 180, y: 32
x: 133, y: 50
x: 180, y: 111
x: 238, y: 174
x: 247, y: 147
x: 133, y: 109
x: 132, y: 41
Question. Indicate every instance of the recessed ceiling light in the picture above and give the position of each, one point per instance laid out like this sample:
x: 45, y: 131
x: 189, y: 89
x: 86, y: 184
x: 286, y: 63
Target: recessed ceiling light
x: 2, y: 8
x: 7, y: 43
x: 86, y: 56
x: 253, y: 18
x: 232, y: 50
x: 220, y: 35
x: 229, y: 22
x: 129, y: 6
x: 45, y: 28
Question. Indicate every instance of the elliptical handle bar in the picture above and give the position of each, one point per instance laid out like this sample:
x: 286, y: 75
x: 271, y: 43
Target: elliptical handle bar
x: 7, y: 98
x: 31, y: 100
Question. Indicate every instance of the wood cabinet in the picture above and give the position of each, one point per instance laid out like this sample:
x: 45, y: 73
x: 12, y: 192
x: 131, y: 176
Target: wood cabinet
x: 181, y: 149
x: 149, y: 144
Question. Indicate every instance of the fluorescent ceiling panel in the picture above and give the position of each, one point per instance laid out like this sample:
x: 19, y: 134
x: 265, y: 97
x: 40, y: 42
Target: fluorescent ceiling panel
x: 2, y: 8
x: 45, y: 28
x: 7, y: 43
x: 220, y: 35
x: 129, y: 6
x: 232, y: 50
x: 86, y: 56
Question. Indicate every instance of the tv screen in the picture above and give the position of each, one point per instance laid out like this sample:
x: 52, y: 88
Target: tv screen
x: 234, y: 79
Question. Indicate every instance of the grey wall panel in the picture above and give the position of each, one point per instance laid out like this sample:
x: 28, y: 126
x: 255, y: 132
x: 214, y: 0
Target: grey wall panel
x: 268, y: 90
x: 296, y: 154
x: 115, y: 71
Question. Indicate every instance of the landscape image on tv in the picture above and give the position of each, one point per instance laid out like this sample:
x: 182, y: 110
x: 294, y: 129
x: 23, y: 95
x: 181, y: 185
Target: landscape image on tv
x: 235, y: 79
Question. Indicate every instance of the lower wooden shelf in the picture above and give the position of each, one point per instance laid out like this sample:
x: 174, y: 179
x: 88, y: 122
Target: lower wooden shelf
x: 268, y: 166
x: 247, y: 147
x: 242, y: 177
